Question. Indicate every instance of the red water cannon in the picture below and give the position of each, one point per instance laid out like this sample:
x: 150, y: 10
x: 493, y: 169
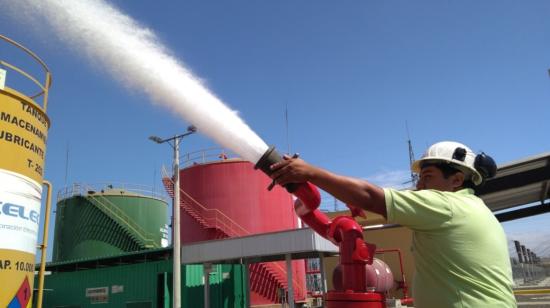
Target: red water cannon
x: 353, y: 288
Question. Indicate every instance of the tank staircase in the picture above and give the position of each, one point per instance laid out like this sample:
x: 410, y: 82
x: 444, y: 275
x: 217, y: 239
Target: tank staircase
x: 266, y: 279
x: 132, y: 229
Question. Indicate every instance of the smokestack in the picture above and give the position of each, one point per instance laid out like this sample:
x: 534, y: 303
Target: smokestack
x: 518, y: 250
x: 529, y: 256
x: 524, y: 252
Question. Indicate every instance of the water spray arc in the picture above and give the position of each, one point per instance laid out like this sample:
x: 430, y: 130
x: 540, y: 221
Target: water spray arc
x: 134, y: 56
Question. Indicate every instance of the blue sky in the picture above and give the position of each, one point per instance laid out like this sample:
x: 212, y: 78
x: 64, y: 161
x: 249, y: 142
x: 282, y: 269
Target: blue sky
x: 351, y: 74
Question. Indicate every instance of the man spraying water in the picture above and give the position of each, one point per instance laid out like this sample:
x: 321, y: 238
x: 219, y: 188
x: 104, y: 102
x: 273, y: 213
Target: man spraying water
x: 460, y: 249
x: 134, y: 56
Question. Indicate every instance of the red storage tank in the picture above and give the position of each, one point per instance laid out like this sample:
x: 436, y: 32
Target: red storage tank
x: 229, y: 198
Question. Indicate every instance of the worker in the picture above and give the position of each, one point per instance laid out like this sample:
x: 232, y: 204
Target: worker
x: 459, y: 247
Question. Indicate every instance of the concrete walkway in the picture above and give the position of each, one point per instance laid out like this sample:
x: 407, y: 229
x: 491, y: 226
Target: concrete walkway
x: 545, y: 283
x: 535, y: 295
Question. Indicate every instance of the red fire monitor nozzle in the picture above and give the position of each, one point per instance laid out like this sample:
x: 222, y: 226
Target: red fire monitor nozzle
x: 352, y: 288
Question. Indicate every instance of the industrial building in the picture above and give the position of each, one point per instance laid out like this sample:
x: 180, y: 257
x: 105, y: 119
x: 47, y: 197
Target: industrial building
x: 139, y: 279
x: 243, y: 245
x: 219, y: 245
x: 108, y: 224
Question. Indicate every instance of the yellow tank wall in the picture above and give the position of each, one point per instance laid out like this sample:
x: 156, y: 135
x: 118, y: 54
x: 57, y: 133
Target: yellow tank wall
x: 23, y: 134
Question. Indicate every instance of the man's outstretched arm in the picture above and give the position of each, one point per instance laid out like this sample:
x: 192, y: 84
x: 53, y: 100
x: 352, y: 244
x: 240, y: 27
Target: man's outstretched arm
x: 352, y: 191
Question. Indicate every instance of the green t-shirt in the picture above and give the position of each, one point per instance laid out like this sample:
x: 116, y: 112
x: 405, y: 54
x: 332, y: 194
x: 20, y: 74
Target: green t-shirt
x: 459, y: 247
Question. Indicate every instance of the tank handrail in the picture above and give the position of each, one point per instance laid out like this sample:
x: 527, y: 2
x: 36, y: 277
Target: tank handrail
x: 25, y: 49
x: 224, y: 223
x: 202, y: 150
x: 282, y: 270
x: 22, y: 72
x: 216, y: 220
x: 217, y: 211
x: 296, y: 284
x: 139, y: 189
x: 202, y: 207
x: 117, y: 213
x: 206, y: 155
x: 43, y: 87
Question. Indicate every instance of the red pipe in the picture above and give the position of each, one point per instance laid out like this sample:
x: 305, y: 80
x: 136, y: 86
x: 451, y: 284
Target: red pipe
x: 401, y: 284
x: 306, y: 208
x: 344, y: 231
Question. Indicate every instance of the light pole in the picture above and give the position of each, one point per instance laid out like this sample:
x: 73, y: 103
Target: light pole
x: 176, y: 246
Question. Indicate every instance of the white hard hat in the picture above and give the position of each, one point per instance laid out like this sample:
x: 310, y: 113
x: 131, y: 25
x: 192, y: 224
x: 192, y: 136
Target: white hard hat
x: 454, y: 153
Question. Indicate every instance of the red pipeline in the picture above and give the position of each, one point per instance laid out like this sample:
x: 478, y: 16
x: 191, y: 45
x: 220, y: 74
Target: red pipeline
x: 344, y: 231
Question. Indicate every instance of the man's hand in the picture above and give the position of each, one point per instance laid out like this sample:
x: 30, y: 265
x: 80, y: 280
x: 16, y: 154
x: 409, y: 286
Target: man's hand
x: 291, y: 170
x: 359, y: 193
x: 356, y: 211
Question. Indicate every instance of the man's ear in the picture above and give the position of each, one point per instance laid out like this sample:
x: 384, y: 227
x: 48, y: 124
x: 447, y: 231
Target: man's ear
x: 457, y: 180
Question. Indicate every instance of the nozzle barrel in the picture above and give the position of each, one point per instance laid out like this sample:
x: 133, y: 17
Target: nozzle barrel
x: 270, y: 157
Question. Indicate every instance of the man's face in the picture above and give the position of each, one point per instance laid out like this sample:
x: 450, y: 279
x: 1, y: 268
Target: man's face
x: 431, y: 177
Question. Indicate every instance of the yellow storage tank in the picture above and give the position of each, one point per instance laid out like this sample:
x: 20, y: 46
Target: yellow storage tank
x: 23, y: 134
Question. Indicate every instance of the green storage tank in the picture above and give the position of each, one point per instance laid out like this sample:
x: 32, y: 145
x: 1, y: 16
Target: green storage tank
x: 108, y: 220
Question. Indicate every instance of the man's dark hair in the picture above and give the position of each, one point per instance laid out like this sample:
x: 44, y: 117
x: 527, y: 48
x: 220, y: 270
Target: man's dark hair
x: 448, y: 170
